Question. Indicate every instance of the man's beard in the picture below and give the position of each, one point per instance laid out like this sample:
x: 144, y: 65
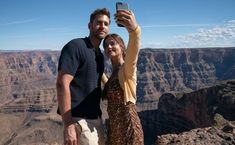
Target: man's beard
x: 100, y: 35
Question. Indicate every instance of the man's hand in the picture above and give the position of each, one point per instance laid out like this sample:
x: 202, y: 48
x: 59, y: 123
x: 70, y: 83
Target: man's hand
x: 70, y: 135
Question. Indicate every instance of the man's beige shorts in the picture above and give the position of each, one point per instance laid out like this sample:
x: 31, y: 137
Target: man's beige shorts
x: 90, y: 131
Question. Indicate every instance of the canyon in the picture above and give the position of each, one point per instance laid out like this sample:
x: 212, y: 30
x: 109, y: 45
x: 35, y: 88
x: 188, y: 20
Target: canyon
x: 181, y: 93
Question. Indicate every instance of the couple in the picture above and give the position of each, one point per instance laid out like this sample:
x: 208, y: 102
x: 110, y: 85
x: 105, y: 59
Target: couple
x: 80, y: 72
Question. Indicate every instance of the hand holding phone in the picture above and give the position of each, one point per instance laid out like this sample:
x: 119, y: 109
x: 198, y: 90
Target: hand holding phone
x: 121, y: 6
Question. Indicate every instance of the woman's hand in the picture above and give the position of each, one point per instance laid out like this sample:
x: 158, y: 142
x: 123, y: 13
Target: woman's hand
x: 127, y: 19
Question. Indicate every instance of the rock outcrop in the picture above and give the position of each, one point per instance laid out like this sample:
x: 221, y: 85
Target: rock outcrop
x: 180, y: 113
x: 200, y: 136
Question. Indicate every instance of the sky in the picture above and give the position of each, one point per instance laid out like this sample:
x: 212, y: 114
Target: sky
x: 50, y: 24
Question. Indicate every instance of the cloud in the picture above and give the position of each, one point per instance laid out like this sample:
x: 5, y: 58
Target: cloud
x: 222, y: 35
x: 177, y: 25
x: 208, y: 35
x: 20, y: 22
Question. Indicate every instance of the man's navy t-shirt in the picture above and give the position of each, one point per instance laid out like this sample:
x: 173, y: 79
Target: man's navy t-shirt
x: 81, y: 60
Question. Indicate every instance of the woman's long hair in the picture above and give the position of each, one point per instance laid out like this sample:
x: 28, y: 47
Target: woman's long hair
x: 119, y: 40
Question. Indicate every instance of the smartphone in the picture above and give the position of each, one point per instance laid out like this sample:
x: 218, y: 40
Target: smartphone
x: 121, y: 6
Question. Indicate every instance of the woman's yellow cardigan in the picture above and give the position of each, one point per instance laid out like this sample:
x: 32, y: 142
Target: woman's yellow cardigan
x: 127, y: 72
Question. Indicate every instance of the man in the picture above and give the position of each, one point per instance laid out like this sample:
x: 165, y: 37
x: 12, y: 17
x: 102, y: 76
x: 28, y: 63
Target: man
x: 80, y: 69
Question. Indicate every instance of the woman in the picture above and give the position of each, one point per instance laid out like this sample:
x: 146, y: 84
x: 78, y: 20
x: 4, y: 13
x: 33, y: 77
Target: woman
x: 120, y: 90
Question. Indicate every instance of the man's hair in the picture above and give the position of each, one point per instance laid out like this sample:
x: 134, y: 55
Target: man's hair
x: 102, y: 11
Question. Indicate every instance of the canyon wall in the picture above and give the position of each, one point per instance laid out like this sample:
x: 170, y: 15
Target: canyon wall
x: 180, y: 70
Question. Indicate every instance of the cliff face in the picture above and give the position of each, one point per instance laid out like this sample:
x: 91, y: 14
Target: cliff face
x: 27, y: 81
x: 181, y: 70
x: 177, y: 113
x: 199, y: 107
x: 28, y: 94
x: 27, y: 90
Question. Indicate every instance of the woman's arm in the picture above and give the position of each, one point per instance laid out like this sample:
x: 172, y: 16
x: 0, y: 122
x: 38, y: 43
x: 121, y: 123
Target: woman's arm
x: 127, y: 19
x: 127, y: 74
x: 132, y: 52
